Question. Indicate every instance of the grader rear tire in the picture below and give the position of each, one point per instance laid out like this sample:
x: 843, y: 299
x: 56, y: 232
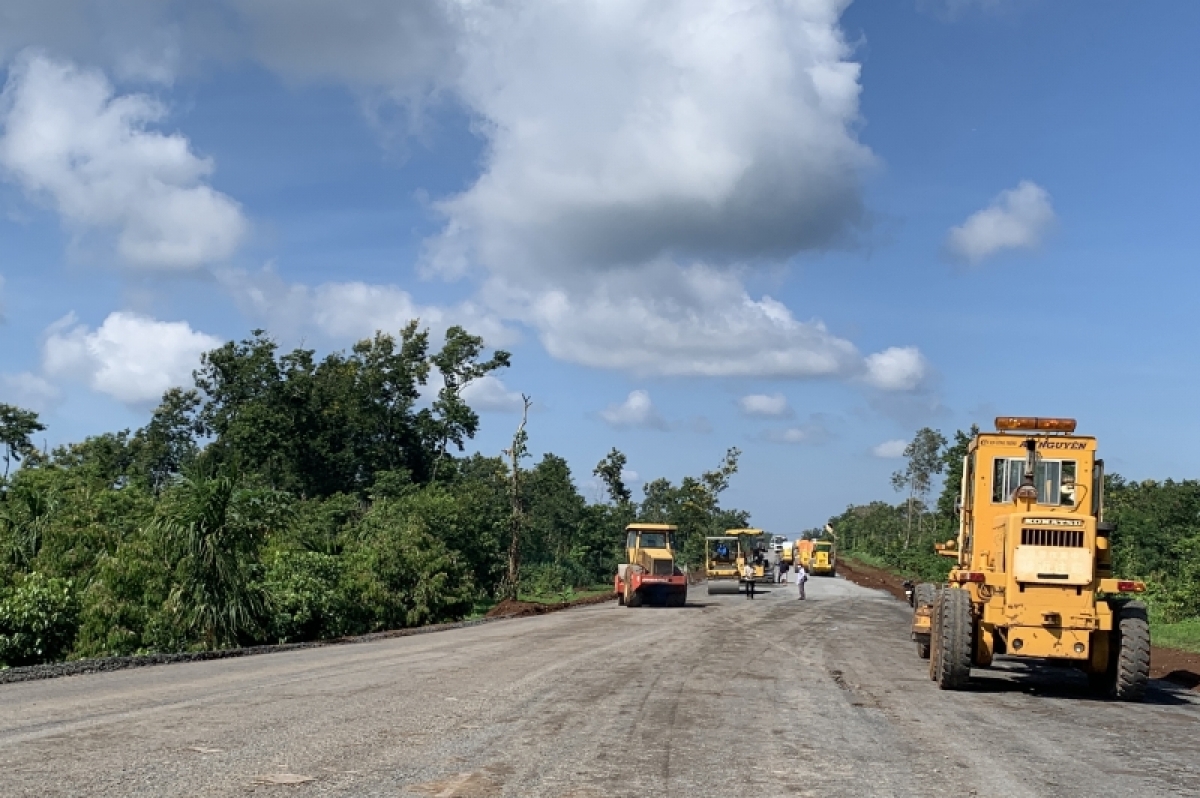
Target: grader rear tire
x: 953, y: 663
x: 1129, y: 654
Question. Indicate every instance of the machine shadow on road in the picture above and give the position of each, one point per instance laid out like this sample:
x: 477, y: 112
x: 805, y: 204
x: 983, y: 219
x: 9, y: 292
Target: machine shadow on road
x: 1048, y: 681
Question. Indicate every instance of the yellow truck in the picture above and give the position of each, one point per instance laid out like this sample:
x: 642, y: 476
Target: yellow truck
x: 1033, y: 575
x: 824, y: 559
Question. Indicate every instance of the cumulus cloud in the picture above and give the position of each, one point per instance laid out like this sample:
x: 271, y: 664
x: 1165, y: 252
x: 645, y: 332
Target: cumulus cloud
x: 1019, y: 218
x: 640, y: 158
x: 130, y: 357
x: 620, y: 133
x: 890, y: 449
x: 490, y: 394
x: 72, y: 142
x: 636, y: 411
x: 765, y: 406
x: 666, y: 320
x: 353, y: 310
x: 896, y: 369
x: 30, y: 390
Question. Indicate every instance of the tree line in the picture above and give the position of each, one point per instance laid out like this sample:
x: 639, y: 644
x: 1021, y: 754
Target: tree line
x: 287, y: 497
x: 1157, y: 535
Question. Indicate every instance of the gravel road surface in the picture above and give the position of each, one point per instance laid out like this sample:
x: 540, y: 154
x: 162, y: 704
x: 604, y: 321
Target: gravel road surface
x: 724, y: 697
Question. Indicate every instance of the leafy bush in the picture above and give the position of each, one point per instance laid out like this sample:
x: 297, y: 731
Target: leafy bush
x: 402, y: 575
x: 306, y: 596
x: 38, y: 620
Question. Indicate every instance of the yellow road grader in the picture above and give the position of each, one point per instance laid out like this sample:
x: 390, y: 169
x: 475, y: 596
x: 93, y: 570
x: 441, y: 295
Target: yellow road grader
x: 1033, y: 567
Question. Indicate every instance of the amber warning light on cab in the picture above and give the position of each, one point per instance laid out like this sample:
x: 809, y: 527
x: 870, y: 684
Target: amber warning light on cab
x: 1035, y: 424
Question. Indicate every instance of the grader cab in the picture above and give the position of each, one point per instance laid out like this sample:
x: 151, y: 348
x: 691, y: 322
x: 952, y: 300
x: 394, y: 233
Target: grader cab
x: 1033, y: 568
x: 650, y: 574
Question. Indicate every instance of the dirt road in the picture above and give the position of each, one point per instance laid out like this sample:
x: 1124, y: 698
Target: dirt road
x: 724, y: 697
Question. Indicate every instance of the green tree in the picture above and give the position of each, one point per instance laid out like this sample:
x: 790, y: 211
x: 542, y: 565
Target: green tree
x: 212, y: 530
x: 17, y: 428
x: 451, y: 420
x: 611, y: 472
x: 924, y: 461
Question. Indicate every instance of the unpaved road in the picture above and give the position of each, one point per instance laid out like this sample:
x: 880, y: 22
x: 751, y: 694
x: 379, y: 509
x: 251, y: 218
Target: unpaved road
x: 725, y: 697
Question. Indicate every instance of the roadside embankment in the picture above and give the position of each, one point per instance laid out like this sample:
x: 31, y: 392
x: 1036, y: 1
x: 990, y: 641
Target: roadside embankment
x: 502, y: 611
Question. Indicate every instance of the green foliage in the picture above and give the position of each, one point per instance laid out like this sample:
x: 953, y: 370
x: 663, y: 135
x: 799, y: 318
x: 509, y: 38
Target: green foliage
x: 38, y: 620
x: 403, y: 575
x: 307, y: 597
x: 291, y: 497
x: 17, y: 427
x: 212, y: 530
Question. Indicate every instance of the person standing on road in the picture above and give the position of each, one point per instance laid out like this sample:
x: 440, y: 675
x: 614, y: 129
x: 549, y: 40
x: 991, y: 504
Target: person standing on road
x: 783, y: 571
x: 748, y: 576
x: 801, y: 578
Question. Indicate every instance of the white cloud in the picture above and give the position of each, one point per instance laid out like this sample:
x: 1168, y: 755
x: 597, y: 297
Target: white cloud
x: 812, y: 432
x: 70, y: 141
x: 890, y: 449
x: 671, y: 321
x: 29, y: 390
x: 636, y: 411
x: 629, y: 476
x: 489, y: 393
x: 1018, y: 218
x: 897, y: 369
x: 354, y: 310
x: 130, y: 357
x: 765, y: 406
x: 620, y: 133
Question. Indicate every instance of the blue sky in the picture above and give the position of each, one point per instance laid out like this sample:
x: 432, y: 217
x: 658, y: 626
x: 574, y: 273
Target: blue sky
x: 802, y: 229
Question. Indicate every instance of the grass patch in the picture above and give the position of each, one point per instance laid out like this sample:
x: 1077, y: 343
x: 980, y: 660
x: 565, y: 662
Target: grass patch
x: 1184, y: 635
x: 566, y: 595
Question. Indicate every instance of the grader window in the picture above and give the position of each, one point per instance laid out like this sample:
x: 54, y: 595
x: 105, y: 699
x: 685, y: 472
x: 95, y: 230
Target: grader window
x: 1055, y: 480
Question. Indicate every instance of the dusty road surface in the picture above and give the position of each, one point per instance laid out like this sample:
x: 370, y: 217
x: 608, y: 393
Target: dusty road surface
x: 724, y: 697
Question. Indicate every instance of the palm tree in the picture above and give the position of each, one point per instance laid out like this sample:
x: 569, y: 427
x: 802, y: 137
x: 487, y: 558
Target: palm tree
x: 215, y: 547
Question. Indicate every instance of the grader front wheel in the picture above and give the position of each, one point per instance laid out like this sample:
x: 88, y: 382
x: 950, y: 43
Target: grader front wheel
x: 952, y: 668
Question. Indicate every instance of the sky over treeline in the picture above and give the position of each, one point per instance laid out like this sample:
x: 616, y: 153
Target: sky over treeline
x: 802, y: 227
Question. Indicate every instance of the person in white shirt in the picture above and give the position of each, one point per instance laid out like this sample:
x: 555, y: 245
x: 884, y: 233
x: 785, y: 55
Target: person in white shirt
x: 801, y: 578
x: 748, y: 576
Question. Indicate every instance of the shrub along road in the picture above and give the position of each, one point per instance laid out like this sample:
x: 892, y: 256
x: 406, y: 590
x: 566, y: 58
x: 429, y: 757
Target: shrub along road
x: 725, y: 697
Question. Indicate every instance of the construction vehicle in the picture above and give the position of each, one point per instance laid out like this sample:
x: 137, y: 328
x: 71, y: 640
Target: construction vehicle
x: 802, y: 554
x: 1033, y: 566
x: 725, y: 559
x: 824, y: 559
x: 650, y: 574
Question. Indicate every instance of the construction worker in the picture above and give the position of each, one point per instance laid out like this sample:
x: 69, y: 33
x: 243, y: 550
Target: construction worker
x: 801, y: 578
x: 748, y: 577
x: 783, y: 571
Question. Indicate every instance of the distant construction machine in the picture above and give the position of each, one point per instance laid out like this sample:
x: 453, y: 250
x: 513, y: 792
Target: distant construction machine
x: 1033, y: 566
x: 802, y: 554
x: 725, y: 558
x: 650, y: 574
x: 824, y: 558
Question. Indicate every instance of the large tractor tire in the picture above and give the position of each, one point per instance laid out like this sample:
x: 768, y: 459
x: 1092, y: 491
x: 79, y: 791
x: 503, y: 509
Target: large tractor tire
x: 952, y: 668
x: 1128, y: 654
x: 924, y: 595
x: 634, y: 599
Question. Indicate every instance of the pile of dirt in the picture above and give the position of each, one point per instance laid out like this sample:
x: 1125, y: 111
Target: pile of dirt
x: 508, y: 608
x: 870, y: 576
x: 1180, y: 667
